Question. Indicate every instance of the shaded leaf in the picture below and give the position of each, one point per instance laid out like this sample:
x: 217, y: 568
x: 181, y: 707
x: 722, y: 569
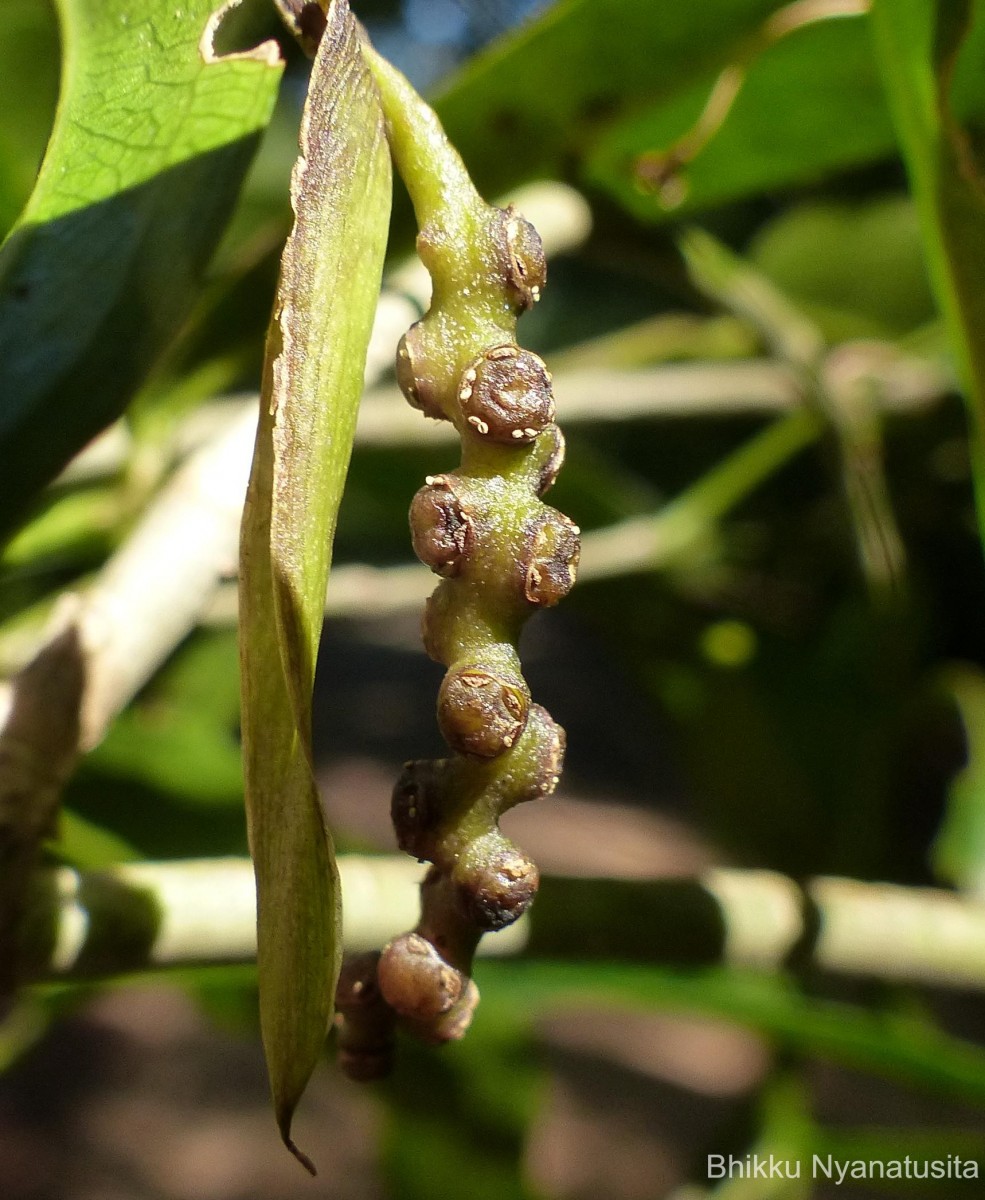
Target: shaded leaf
x: 330, y: 279
x: 810, y: 104
x: 521, y: 109
x: 547, y: 96
x: 149, y: 148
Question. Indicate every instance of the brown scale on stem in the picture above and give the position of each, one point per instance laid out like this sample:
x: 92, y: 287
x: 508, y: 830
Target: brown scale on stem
x: 501, y: 554
x: 479, y: 712
x: 506, y: 395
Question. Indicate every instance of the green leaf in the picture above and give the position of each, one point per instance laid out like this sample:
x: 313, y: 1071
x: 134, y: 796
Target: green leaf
x: 932, y: 56
x: 87, y: 845
x: 28, y: 91
x: 810, y: 104
x: 521, y: 109
x: 330, y: 279
x: 68, y: 528
x: 548, y: 96
x: 173, y: 750
x: 152, y: 138
x: 788, y: 1131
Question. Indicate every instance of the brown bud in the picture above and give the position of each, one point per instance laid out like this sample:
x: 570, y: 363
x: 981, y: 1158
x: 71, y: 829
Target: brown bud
x: 549, y: 741
x: 506, y: 395
x: 524, y: 264
x: 452, y: 1025
x: 415, y: 980
x: 441, y: 527
x: 495, y: 882
x: 416, y: 807
x: 437, y: 621
x: 416, y: 382
x: 552, y: 560
x: 479, y: 713
x: 553, y: 460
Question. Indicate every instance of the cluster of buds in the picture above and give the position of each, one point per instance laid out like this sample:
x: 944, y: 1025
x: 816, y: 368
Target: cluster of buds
x: 501, y: 554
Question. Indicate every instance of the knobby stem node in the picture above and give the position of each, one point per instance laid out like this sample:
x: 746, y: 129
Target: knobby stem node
x: 502, y: 554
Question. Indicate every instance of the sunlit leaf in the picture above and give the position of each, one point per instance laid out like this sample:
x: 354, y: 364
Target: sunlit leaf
x: 179, y: 736
x: 330, y: 278
x: 151, y: 141
x: 87, y: 845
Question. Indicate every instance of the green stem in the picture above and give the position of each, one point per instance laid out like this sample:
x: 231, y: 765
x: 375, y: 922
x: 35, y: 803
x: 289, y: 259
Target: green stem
x: 501, y: 553
x: 432, y: 169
